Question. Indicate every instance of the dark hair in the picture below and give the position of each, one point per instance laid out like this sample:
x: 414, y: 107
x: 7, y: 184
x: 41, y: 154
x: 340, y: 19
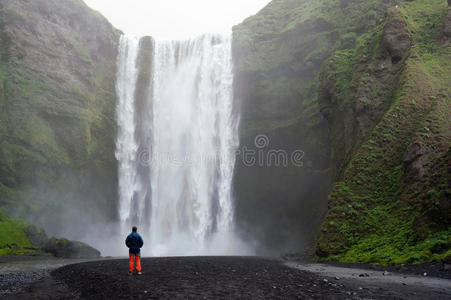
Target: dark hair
x: 134, y: 229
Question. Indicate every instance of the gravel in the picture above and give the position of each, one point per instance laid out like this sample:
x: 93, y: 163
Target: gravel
x: 203, y: 278
x: 16, y: 283
x: 223, y: 278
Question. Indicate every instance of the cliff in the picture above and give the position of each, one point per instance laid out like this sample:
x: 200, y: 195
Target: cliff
x: 278, y: 55
x: 345, y: 126
x: 362, y: 87
x: 387, y: 102
x: 57, y: 114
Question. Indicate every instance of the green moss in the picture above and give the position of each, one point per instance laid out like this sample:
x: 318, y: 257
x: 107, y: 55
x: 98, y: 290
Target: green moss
x: 402, y: 247
x: 378, y: 215
x: 8, y: 194
x: 83, y: 54
x: 284, y: 45
x: 13, y: 240
x: 57, y: 125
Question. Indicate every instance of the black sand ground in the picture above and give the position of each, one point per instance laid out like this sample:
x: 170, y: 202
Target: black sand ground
x: 435, y: 269
x: 209, y: 278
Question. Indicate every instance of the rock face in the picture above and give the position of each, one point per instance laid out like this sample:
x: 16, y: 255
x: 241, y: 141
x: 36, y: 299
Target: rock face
x: 447, y: 25
x: 414, y: 162
x: 389, y: 119
x: 396, y: 40
x: 57, y: 102
x: 70, y: 249
x: 278, y: 54
x: 353, y: 112
x: 62, y: 248
x: 37, y: 236
x: 361, y: 87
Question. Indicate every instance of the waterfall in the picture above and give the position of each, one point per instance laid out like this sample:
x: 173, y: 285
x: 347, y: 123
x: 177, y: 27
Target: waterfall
x: 176, y: 154
x: 126, y: 144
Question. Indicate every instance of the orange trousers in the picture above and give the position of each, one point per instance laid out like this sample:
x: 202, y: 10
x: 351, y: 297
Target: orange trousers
x: 131, y: 262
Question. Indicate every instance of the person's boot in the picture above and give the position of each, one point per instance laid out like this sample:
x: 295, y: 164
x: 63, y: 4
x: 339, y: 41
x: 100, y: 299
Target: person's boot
x: 139, y: 273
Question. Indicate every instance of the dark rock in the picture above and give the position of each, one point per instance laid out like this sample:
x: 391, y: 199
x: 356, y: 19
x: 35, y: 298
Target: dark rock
x: 396, y: 40
x: 402, y: 268
x: 447, y: 260
x: 321, y: 252
x: 37, y: 236
x: 70, y: 249
x: 414, y: 161
x: 447, y: 26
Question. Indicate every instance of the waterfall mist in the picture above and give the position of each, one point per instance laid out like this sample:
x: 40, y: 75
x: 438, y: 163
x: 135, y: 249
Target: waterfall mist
x: 177, y: 136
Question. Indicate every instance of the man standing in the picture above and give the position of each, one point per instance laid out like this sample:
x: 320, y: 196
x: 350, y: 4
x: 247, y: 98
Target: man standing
x: 134, y: 242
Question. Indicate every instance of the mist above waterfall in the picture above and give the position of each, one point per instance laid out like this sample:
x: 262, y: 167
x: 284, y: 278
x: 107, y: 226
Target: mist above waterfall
x: 176, y: 145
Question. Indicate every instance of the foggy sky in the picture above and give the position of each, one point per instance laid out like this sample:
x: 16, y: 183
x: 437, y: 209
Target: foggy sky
x: 176, y: 19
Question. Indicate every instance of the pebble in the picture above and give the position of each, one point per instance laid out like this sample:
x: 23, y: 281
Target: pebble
x: 17, y: 282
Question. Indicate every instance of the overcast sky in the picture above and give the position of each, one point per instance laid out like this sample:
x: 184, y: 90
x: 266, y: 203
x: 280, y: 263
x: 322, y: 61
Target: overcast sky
x: 176, y: 19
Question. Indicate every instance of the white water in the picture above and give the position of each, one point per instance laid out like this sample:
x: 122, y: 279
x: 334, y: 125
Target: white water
x: 192, y: 147
x: 126, y: 144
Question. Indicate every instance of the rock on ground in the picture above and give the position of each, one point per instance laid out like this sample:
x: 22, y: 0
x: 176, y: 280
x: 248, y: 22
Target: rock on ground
x: 70, y: 249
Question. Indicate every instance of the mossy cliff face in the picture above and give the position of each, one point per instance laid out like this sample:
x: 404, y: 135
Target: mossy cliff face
x: 57, y: 121
x: 278, y: 55
x: 387, y: 102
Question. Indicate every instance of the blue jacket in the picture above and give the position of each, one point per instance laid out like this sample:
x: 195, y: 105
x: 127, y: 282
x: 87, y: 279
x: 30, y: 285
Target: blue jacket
x: 134, y: 242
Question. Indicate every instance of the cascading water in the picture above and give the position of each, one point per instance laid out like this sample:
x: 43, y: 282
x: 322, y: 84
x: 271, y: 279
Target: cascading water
x: 126, y: 144
x: 184, y: 203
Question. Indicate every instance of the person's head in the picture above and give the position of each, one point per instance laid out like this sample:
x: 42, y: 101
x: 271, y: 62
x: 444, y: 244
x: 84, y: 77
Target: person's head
x: 134, y: 229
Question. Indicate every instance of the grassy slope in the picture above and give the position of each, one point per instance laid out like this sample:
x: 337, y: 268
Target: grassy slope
x: 377, y: 215
x: 13, y: 240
